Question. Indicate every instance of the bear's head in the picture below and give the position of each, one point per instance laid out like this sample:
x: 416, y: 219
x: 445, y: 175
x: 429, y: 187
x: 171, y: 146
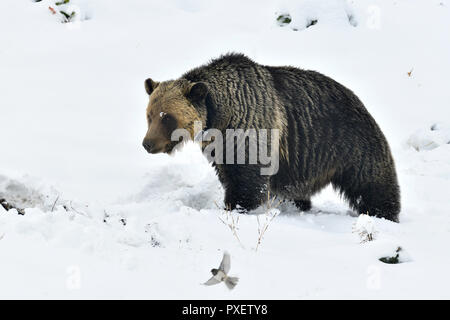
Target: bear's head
x: 175, y: 104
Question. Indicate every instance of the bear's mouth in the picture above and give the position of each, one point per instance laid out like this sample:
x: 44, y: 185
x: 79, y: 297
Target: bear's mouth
x: 170, y: 147
x: 173, y: 146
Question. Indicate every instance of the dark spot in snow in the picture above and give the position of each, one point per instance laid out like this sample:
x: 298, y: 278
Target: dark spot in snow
x: 154, y: 242
x: 105, y: 217
x: 352, y: 20
x: 7, y: 206
x: 394, y: 259
x: 284, y: 19
x: 311, y: 23
x: 390, y: 260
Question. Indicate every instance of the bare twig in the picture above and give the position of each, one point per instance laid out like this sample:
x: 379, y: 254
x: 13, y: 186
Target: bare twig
x: 270, y: 214
x: 365, y: 228
x: 80, y: 213
x: 231, y: 222
x: 54, y: 204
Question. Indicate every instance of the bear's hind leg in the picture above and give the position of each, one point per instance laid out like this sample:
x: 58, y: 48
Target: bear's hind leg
x: 375, y: 195
x: 381, y: 201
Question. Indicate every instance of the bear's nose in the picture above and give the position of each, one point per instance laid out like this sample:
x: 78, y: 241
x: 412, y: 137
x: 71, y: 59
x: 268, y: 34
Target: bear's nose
x: 148, y: 145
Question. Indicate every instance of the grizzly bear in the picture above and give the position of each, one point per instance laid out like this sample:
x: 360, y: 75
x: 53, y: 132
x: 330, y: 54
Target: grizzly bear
x: 326, y: 135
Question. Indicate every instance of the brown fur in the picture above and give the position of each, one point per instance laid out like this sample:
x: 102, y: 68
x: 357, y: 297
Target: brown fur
x: 168, y: 100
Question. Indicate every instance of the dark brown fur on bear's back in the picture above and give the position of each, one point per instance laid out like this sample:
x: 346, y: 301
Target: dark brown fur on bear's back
x: 326, y: 135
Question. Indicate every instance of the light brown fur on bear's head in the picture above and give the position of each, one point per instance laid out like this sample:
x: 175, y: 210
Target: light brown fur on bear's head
x: 175, y: 104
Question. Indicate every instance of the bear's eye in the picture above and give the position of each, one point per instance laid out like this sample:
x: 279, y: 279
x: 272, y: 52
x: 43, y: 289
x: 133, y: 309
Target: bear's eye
x: 169, y: 121
x: 165, y: 116
x: 149, y: 118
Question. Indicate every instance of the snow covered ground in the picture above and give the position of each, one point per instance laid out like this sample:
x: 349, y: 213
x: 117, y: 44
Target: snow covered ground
x: 104, y: 219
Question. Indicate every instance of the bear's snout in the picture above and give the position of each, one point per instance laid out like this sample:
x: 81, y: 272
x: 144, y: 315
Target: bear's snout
x: 148, y: 145
x: 154, y: 145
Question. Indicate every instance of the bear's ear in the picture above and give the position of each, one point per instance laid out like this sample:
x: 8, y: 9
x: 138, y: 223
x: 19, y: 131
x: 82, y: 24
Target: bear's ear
x: 150, y: 85
x: 197, y: 92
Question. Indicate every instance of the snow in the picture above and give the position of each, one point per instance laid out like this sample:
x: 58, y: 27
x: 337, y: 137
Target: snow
x: 364, y: 226
x: 104, y: 219
x: 430, y: 138
x: 333, y: 13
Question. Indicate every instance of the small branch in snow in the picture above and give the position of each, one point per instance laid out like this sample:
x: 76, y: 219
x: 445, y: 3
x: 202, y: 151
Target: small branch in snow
x: 67, y: 16
x: 231, y: 222
x: 54, y: 204
x: 80, y: 213
x: 271, y: 213
x: 62, y: 2
x: 364, y: 226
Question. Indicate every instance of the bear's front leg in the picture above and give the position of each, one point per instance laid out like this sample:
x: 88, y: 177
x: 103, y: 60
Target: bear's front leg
x: 245, y: 188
